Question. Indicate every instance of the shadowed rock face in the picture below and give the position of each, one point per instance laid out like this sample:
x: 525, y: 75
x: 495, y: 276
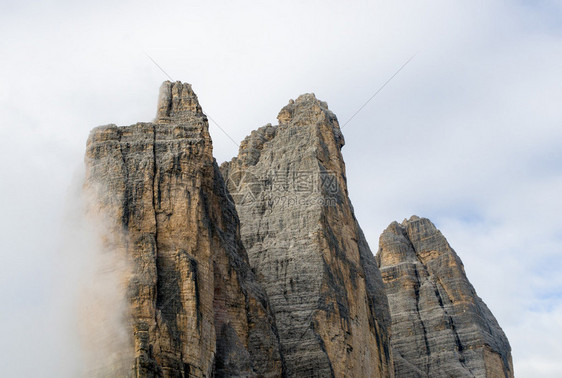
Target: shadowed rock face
x: 440, y: 327
x: 195, y: 306
x: 306, y: 247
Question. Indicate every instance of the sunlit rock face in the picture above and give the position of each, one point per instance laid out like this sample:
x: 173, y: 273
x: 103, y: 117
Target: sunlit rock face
x: 195, y: 306
x: 440, y: 327
x: 260, y: 268
x: 306, y: 247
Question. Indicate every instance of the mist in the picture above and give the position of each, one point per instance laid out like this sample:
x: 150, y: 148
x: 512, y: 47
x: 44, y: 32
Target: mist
x: 80, y: 325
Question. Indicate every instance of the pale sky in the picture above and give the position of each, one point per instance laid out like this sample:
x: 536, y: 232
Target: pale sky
x: 468, y: 134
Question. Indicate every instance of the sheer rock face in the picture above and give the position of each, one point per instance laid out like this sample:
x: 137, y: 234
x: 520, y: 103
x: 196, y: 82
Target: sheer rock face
x: 195, y: 305
x: 260, y: 268
x: 440, y: 327
x: 306, y: 247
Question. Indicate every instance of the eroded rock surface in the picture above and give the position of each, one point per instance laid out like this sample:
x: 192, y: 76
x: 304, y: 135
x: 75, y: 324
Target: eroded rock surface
x: 440, y: 327
x: 260, y: 268
x: 195, y: 306
x: 306, y: 247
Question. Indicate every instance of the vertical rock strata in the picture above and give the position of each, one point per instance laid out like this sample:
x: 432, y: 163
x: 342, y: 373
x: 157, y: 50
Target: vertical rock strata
x: 195, y: 305
x: 306, y: 247
x: 260, y: 268
x: 440, y: 327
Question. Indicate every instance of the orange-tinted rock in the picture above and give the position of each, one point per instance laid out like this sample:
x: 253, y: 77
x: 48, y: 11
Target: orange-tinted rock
x: 195, y: 306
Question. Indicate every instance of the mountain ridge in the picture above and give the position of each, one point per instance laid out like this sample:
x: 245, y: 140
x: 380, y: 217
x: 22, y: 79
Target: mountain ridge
x: 257, y: 267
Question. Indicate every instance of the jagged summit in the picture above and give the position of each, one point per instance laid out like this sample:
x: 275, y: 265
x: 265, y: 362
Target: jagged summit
x: 308, y: 110
x: 440, y: 327
x: 260, y: 268
x: 195, y: 308
x: 305, y: 103
x: 306, y: 247
x: 307, y: 116
x: 412, y: 219
x: 177, y: 101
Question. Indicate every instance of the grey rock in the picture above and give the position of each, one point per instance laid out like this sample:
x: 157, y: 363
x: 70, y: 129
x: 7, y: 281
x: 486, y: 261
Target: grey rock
x: 260, y: 268
x: 440, y: 327
x: 306, y: 247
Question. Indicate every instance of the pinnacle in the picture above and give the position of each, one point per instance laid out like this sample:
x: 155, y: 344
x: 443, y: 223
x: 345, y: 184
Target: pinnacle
x: 176, y: 101
x: 412, y: 219
x: 307, y: 110
x: 306, y: 105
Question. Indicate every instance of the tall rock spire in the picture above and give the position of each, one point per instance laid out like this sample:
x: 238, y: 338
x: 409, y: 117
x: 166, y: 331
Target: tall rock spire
x: 440, y: 327
x: 195, y: 307
x: 176, y: 101
x: 306, y: 247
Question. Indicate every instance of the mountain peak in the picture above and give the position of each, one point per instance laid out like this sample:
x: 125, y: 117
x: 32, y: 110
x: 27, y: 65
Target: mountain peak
x: 431, y: 300
x: 177, y: 100
x: 307, y: 110
x: 307, y: 249
x: 260, y: 268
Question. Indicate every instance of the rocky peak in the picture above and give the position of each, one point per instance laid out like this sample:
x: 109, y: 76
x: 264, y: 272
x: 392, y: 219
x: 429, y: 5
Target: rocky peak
x: 307, y: 110
x: 177, y: 101
x: 251, y: 146
x: 260, y: 268
x: 414, y: 218
x: 195, y: 308
x: 440, y: 327
x: 306, y: 247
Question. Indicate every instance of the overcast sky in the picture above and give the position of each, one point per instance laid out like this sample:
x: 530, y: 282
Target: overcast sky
x: 468, y: 134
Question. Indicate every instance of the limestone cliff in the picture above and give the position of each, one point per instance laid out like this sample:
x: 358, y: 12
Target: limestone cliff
x: 260, y: 268
x: 195, y: 306
x: 440, y: 327
x: 308, y: 251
